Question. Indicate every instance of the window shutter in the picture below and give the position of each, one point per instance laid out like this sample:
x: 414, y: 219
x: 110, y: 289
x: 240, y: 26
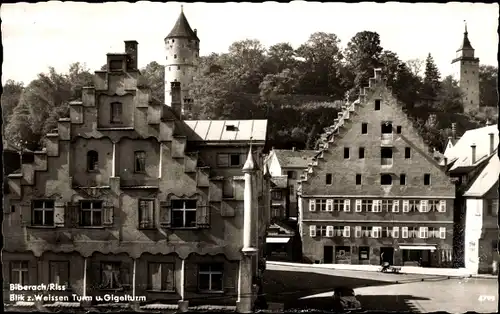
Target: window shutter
x: 72, y: 214
x: 358, y: 206
x: 374, y: 206
x: 442, y: 233
x: 395, y: 206
x: 395, y: 232
x: 347, y: 205
x: 406, y: 206
x: 26, y: 211
x: 59, y: 214
x: 312, y: 231
x: 108, y: 212
x: 347, y: 232
x: 357, y: 232
x: 404, y: 232
x: 423, y: 206
x: 165, y: 214
x: 442, y: 206
x: 329, y: 205
x: 312, y: 205
x: 329, y: 231
x: 422, y: 232
x: 203, y: 216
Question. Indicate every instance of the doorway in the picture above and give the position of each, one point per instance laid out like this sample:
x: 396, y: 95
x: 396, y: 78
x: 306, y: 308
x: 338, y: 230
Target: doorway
x: 328, y: 254
x: 387, y: 255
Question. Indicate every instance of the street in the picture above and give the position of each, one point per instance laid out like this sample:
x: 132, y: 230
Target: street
x: 306, y: 288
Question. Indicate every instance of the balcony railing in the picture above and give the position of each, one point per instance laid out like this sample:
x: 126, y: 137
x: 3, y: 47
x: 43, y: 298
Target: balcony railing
x: 140, y: 183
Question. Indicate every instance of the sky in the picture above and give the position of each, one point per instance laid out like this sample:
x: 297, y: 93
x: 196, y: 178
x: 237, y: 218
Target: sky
x: 37, y: 36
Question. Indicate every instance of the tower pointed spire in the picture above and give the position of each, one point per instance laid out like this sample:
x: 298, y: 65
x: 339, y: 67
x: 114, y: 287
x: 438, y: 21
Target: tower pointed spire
x: 465, y: 22
x: 182, y: 28
x: 466, y: 45
x: 249, y: 163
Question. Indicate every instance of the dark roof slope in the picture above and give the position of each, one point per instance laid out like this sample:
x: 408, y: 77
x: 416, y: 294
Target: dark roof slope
x: 295, y: 158
x: 182, y: 29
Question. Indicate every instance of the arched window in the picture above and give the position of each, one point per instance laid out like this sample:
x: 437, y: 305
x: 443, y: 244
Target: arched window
x: 385, y: 179
x: 92, y: 160
x: 140, y: 161
x: 116, y: 112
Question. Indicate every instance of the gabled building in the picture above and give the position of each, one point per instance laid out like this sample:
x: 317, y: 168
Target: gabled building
x: 374, y: 192
x: 473, y: 163
x: 289, y: 163
x: 129, y: 200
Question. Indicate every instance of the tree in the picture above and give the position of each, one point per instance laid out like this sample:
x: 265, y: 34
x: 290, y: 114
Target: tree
x: 449, y: 96
x: 280, y: 57
x: 488, y: 86
x: 415, y: 66
x: 431, y: 79
x: 363, y: 55
x: 390, y: 64
x: 11, y: 94
x: 153, y: 76
x: 277, y: 89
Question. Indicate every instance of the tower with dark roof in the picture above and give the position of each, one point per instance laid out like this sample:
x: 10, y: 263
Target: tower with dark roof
x: 182, y: 47
x: 467, y: 73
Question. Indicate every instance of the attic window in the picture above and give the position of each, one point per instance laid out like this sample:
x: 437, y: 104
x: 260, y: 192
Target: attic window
x: 231, y: 128
x: 377, y: 104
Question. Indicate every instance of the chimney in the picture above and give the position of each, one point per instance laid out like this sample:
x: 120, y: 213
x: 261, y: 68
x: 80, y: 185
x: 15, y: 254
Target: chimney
x: 492, y: 143
x: 195, y: 31
x: 454, y: 130
x: 131, y: 51
x: 473, y: 147
x: 175, y: 88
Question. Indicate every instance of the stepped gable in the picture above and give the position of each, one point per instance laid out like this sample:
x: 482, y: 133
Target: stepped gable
x: 327, y: 139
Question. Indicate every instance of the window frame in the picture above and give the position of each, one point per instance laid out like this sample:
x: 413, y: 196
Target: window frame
x: 116, y: 113
x: 162, y: 266
x: 407, y: 152
x: 92, y: 154
x: 402, y: 179
x: 427, y: 179
x: 140, y: 158
x: 328, y: 179
x: 358, y: 179
x: 228, y: 183
x: 92, y: 210
x: 44, y: 211
x: 150, y: 223
x: 378, y: 104
x: 364, y: 128
x: 118, y: 270
x: 362, y: 249
x: 51, y: 275
x: 210, y: 273
x: 385, y: 175
x: 184, y: 211
x: 22, y: 272
x: 347, y: 153
x: 361, y: 153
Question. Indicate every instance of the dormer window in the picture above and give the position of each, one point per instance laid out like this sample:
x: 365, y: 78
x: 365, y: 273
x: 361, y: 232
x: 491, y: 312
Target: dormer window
x: 140, y: 161
x: 92, y: 161
x: 231, y: 128
x: 116, y: 112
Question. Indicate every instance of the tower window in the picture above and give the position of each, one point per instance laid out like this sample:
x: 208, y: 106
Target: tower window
x: 175, y: 56
x: 377, y: 104
x: 116, y: 112
x: 385, y: 179
x: 92, y: 161
x: 173, y: 40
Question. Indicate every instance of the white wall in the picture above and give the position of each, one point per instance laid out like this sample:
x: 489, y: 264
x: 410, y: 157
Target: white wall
x: 274, y: 165
x: 473, y: 228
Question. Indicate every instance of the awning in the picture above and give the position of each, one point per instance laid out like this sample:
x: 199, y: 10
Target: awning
x: 277, y: 240
x: 417, y: 247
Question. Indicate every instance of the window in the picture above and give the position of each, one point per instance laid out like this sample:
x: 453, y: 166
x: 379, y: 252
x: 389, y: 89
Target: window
x: 210, y: 277
x: 366, y: 205
x: 402, y: 179
x: 231, y: 128
x: 361, y: 152
x: 110, y: 275
x: 183, y: 213
x: 358, y: 179
x: 492, y: 207
x: 377, y: 104
x: 175, y: 56
x: 229, y: 160
x: 291, y: 174
x: 329, y: 178
x: 59, y: 272
x: 414, y: 205
x: 427, y: 179
x: 367, y: 231
x: 19, y: 272
x: 92, y: 161
x: 346, y: 152
x: 433, y: 205
x: 43, y: 213
x: 386, y: 128
x: 146, y: 213
x: 386, y: 156
x: 338, y: 205
x: 407, y: 152
x: 364, y: 128
x: 386, y: 205
x: 116, y: 112
x: 140, y: 161
x: 321, y: 231
x: 228, y: 188
x: 398, y: 129
x: 173, y: 41
x: 291, y: 190
x: 276, y: 195
x: 178, y: 67
x: 364, y: 253
x: 115, y: 65
x: 91, y: 213
x: 385, y: 179
x: 161, y: 276
x: 321, y: 205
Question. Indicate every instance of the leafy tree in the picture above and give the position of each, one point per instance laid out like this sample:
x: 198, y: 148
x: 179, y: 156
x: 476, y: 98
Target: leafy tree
x: 153, y: 76
x: 11, y: 94
x: 363, y: 55
x: 390, y: 64
x: 432, y: 79
x: 450, y: 96
x: 416, y: 66
x: 280, y: 57
x: 406, y: 87
x: 277, y: 89
x: 488, y: 86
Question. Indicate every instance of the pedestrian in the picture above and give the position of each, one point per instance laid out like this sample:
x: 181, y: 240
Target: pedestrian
x: 382, y: 258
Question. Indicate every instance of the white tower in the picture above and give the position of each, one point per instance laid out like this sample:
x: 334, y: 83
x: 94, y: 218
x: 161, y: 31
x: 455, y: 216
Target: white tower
x: 182, y: 52
x: 467, y: 73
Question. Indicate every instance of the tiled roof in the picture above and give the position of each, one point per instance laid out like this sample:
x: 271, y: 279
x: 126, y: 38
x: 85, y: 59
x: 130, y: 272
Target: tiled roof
x: 280, y: 229
x: 486, y: 179
x: 294, y: 158
x: 279, y: 182
x: 461, y: 152
x: 228, y: 130
x: 182, y: 29
x: 466, y: 42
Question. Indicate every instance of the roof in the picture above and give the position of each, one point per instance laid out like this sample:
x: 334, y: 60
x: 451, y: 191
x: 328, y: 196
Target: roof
x: 182, y: 28
x: 461, y: 152
x: 279, y: 182
x: 466, y: 43
x: 228, y: 130
x: 294, y: 158
x: 486, y: 179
